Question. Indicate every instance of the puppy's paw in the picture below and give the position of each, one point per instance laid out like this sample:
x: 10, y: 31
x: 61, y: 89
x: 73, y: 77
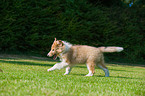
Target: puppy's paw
x: 89, y: 75
x: 65, y: 73
x: 49, y: 70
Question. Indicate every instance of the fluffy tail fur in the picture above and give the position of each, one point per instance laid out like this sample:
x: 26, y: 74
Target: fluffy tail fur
x: 111, y: 49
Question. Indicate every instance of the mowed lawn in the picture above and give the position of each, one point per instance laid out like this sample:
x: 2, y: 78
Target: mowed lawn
x: 28, y: 76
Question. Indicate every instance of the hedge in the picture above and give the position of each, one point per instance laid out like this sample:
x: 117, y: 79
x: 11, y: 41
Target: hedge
x: 32, y: 26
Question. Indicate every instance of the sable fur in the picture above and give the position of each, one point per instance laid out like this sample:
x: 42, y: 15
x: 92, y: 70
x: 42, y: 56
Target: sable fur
x: 71, y: 55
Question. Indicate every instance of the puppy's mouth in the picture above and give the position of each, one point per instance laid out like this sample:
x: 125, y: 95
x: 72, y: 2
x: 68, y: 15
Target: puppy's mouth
x: 55, y: 57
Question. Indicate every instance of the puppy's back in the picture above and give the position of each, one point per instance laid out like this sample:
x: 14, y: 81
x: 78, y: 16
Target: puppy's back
x: 84, y: 54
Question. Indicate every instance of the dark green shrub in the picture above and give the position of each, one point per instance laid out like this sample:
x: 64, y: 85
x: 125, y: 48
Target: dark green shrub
x: 32, y: 25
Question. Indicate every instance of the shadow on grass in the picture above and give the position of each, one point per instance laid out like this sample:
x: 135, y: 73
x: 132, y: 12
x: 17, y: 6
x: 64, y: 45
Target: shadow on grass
x: 34, y: 58
x: 120, y: 70
x: 100, y: 76
x: 123, y: 77
x: 26, y: 63
x: 78, y: 74
x: 126, y: 64
x: 101, y: 69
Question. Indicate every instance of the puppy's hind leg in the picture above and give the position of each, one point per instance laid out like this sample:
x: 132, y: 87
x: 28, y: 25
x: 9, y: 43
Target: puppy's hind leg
x: 105, y: 69
x: 91, y: 68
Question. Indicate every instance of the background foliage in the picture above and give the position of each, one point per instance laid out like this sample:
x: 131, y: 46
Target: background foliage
x: 31, y: 25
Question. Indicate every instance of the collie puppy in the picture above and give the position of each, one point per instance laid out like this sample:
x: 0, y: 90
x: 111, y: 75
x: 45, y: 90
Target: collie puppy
x: 71, y: 55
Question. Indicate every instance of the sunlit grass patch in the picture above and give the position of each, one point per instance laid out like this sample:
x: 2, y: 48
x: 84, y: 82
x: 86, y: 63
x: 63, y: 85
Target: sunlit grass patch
x: 24, y: 76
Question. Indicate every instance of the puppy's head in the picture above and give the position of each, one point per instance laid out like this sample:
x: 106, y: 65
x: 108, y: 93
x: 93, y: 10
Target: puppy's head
x: 56, y: 48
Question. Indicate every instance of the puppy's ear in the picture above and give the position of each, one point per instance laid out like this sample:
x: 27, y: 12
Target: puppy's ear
x: 55, y: 39
x: 60, y: 43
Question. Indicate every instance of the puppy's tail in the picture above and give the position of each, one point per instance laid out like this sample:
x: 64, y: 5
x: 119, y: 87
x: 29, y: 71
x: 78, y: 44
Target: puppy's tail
x: 111, y: 49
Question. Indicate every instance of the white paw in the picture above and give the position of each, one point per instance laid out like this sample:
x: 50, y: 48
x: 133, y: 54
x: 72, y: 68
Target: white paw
x: 89, y: 75
x: 65, y: 73
x: 49, y: 70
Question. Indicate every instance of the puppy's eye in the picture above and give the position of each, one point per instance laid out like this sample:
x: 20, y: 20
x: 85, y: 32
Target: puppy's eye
x: 52, y: 49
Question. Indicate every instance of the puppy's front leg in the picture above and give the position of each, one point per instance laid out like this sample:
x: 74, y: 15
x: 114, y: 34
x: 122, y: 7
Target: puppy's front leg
x: 58, y: 66
x: 68, y: 69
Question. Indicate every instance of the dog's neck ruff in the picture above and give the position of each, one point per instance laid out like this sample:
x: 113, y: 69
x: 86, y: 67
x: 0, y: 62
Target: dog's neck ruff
x: 67, y: 47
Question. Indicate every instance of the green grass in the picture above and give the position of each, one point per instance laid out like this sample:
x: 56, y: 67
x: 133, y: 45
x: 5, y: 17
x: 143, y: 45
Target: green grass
x: 24, y: 76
